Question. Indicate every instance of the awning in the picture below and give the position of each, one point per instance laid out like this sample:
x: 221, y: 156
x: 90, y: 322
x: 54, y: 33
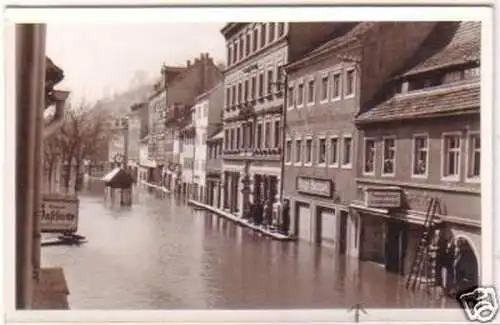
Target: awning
x: 118, y: 178
x: 397, y: 215
x: 382, y: 212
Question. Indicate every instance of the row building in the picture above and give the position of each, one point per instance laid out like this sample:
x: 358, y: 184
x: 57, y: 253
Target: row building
x: 380, y: 119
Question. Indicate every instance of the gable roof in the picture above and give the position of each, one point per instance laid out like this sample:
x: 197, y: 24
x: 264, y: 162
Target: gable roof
x: 425, y: 104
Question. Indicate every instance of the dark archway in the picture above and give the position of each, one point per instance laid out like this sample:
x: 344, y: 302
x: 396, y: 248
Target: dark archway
x: 466, y: 266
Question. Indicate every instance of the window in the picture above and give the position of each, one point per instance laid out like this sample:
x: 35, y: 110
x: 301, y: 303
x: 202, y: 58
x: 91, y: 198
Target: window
x: 277, y: 134
x: 255, y: 40
x: 272, y: 31
x: 254, y: 87
x: 247, y: 48
x: 281, y: 29
x: 235, y: 52
x: 298, y: 150
x: 324, y: 88
x: 239, y: 93
x: 279, y: 76
x: 334, y: 151
x: 322, y: 151
x: 474, y: 155
x: 310, y: 91
x: 451, y: 159
x: 369, y: 162
x: 346, y: 153
x: 308, y: 151
x: 290, y: 96
x: 232, y: 139
x: 228, y: 97
x: 250, y: 134
x: 350, y: 83
x: 261, y: 84
x: 263, y: 32
x: 288, y: 154
x: 389, y: 157
x: 229, y: 56
x: 336, y: 86
x: 270, y: 82
x: 233, y: 93
x: 241, y: 48
x: 259, y: 135
x: 267, y: 139
x: 300, y: 95
x: 245, y: 95
x: 238, y: 138
x: 420, y: 153
x: 226, y: 139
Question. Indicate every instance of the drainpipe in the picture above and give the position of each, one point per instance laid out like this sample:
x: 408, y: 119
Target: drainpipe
x: 30, y: 92
x: 283, y: 136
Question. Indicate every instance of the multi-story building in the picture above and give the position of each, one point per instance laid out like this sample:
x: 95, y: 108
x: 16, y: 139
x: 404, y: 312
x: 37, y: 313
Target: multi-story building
x: 256, y: 53
x: 134, y: 137
x: 179, y: 87
x: 207, y: 117
x: 419, y: 139
x: 117, y: 143
x: 213, y: 168
x: 187, y: 137
x: 325, y: 90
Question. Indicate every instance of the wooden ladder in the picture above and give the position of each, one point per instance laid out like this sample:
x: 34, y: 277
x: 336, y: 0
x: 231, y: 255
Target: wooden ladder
x: 424, y: 261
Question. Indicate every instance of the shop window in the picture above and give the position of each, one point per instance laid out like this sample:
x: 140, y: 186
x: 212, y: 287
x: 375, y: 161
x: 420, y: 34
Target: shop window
x: 369, y: 156
x: 389, y: 157
x: 474, y: 156
x: 451, y: 156
x: 420, y: 155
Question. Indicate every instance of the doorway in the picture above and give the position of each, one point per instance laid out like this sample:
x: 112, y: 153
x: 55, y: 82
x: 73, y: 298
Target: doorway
x: 343, y: 232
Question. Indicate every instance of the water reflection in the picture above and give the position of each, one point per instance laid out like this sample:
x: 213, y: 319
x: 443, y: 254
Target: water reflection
x: 160, y: 254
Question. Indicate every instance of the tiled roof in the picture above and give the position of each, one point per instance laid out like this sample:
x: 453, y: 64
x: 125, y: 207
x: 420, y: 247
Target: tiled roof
x: 354, y: 31
x: 425, y: 103
x: 450, y: 43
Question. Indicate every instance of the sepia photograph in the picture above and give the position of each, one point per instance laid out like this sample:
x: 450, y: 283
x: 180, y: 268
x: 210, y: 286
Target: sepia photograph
x: 249, y: 162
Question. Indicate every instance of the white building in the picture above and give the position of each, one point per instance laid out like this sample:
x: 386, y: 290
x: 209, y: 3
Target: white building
x: 206, y: 118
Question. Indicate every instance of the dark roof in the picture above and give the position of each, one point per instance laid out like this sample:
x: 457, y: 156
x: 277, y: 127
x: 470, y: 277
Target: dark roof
x: 425, y: 104
x: 449, y: 43
x: 344, y: 34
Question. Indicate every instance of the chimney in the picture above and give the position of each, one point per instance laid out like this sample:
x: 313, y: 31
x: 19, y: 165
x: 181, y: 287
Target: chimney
x: 188, y: 63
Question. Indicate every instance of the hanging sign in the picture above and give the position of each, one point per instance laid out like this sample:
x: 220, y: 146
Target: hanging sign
x: 59, y: 213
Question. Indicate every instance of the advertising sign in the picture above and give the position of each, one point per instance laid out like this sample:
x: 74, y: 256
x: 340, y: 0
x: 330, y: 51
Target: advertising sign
x: 383, y: 197
x: 59, y: 213
x: 314, y: 186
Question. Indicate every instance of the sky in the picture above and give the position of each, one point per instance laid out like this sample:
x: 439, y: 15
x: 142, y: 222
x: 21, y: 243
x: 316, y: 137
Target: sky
x: 101, y: 59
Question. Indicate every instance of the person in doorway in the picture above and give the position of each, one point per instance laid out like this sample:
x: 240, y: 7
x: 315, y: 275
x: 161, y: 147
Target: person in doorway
x: 285, y: 217
x: 268, y: 214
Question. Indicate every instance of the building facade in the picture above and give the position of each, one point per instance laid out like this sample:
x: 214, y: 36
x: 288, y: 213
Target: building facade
x: 326, y: 89
x: 215, y: 142
x: 207, y: 113
x: 256, y: 54
x: 420, y: 140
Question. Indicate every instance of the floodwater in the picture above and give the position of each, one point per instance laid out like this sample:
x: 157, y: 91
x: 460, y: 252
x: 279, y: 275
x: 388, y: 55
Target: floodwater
x: 162, y: 254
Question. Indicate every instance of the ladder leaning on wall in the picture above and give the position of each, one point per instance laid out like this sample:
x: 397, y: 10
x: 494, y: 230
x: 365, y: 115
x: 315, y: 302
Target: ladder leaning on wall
x: 423, y: 268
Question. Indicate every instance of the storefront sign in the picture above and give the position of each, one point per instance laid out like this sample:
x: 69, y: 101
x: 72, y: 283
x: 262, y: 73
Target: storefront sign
x: 383, y: 197
x: 315, y: 186
x: 59, y: 213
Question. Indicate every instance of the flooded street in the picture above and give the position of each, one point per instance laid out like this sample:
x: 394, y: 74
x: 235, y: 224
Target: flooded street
x: 161, y: 254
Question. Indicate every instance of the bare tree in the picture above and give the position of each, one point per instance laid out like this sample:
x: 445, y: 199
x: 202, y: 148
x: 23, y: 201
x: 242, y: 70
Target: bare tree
x: 84, y: 132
